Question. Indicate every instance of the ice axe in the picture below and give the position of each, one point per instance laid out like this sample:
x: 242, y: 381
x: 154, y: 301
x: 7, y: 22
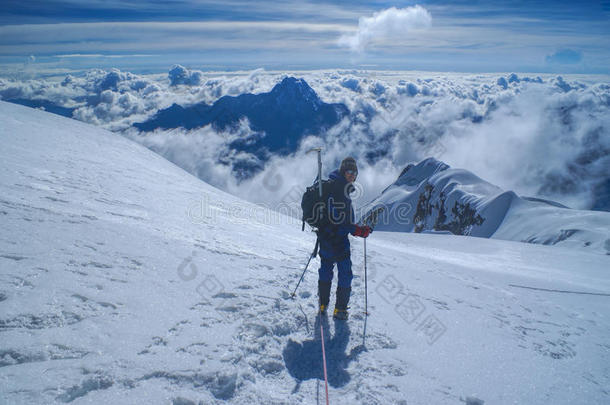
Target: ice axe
x: 319, y: 150
x: 315, y: 249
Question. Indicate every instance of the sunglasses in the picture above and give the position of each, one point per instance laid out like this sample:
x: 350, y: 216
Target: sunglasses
x: 352, y: 172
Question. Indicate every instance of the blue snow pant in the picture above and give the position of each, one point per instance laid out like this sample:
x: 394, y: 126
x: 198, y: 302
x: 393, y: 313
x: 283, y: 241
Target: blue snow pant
x: 345, y: 271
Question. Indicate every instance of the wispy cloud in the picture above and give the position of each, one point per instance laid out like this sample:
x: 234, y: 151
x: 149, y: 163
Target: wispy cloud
x: 47, y: 11
x: 483, y: 36
x: 99, y: 55
x: 48, y: 38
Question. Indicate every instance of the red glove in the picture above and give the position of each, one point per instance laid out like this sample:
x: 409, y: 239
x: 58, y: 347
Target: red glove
x: 362, y: 231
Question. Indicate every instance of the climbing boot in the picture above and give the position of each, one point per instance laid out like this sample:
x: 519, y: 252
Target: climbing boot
x: 323, y: 294
x: 343, y: 294
x: 340, y: 314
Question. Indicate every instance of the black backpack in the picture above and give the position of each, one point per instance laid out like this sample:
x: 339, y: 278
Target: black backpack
x: 315, y: 210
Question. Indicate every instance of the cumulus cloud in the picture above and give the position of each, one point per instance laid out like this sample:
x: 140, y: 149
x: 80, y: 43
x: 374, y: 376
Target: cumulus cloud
x: 535, y: 139
x: 181, y: 75
x: 544, y: 136
x: 351, y: 83
x: 198, y: 151
x: 392, y: 23
x: 115, y: 99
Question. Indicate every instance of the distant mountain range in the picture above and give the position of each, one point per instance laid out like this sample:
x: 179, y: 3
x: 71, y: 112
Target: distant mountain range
x: 431, y: 197
x: 283, y: 116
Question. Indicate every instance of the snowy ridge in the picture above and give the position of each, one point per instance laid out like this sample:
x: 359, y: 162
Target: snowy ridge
x: 124, y: 279
x: 432, y: 197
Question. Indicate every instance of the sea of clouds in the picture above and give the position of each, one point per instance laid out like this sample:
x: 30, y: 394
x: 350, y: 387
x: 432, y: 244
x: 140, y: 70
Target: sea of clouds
x: 539, y: 135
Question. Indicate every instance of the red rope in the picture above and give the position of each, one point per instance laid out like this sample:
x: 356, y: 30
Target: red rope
x: 324, y: 358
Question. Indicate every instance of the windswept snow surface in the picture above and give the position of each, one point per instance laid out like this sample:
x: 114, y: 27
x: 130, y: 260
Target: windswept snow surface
x: 431, y: 196
x: 125, y: 280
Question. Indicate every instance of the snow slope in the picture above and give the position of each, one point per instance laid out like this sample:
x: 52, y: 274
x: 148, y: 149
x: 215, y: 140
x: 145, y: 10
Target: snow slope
x: 430, y: 196
x: 125, y: 280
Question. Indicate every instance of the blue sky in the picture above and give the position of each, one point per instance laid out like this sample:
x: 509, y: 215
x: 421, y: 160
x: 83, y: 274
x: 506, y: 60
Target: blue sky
x: 150, y: 36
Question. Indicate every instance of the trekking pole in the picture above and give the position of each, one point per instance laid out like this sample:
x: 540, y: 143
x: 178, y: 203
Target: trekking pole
x: 371, y: 221
x: 366, y: 295
x: 324, y: 358
x: 313, y: 254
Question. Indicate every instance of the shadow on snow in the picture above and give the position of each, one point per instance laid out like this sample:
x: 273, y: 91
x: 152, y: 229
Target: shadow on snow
x: 304, y: 360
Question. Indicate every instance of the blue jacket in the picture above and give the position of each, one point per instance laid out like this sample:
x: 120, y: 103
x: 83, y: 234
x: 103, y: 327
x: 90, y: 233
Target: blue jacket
x: 334, y: 243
